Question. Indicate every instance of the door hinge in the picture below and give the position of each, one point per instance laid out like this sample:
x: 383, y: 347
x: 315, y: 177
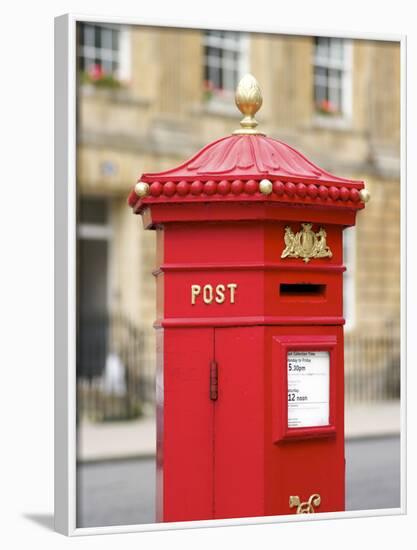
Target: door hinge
x: 214, y: 381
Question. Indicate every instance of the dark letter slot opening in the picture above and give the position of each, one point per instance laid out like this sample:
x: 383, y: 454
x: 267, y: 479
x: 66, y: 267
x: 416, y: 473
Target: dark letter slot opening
x: 302, y: 289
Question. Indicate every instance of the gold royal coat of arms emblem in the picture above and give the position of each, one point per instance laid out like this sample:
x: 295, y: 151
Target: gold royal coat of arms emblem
x: 306, y: 244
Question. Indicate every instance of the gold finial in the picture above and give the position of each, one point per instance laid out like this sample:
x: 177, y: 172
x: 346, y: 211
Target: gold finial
x: 248, y: 99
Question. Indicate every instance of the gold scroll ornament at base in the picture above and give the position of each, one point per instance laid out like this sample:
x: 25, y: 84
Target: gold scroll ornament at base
x: 305, y: 507
x: 306, y: 244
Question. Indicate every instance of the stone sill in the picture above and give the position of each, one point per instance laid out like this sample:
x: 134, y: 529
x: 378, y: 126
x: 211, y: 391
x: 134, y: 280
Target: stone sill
x: 224, y: 107
x: 334, y: 123
x: 121, y: 96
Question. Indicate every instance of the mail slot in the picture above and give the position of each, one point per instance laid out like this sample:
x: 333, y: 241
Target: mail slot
x: 250, y: 398
x: 302, y: 290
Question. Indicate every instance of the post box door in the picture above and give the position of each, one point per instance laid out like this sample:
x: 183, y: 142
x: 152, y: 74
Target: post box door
x: 211, y: 440
x: 238, y: 423
x: 185, y: 426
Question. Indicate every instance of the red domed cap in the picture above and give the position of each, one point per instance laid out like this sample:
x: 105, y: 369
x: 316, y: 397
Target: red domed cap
x: 248, y: 157
x: 234, y: 169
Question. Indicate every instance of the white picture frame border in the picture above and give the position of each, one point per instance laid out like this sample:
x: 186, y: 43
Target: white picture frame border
x: 65, y: 276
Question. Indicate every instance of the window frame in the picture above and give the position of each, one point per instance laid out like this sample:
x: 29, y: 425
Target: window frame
x: 225, y: 43
x: 121, y: 55
x: 346, y: 85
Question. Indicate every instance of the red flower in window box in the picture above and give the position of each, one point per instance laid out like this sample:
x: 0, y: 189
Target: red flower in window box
x: 208, y: 85
x: 96, y: 76
x: 95, y: 72
x: 208, y: 90
x: 326, y: 107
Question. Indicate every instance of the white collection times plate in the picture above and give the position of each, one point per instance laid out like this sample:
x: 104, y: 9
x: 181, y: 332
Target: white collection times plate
x: 308, y: 388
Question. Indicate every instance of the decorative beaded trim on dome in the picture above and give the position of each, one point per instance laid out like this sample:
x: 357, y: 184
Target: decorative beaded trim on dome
x: 229, y: 189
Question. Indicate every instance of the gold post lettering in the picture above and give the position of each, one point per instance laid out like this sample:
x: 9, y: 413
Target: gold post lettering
x: 232, y: 287
x: 220, y: 293
x: 195, y: 291
x: 207, y: 294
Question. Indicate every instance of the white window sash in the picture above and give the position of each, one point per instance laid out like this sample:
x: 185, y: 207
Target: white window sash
x: 334, y: 84
x: 90, y: 52
x: 244, y: 61
x: 347, y: 97
x: 225, y: 64
x: 125, y: 54
x: 223, y: 43
x: 93, y: 231
x: 329, y: 63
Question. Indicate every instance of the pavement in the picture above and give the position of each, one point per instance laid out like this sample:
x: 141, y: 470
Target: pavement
x: 378, y: 419
x: 136, y: 438
x: 122, y: 492
x: 114, y: 440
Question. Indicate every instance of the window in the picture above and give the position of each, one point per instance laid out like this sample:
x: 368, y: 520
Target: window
x: 104, y: 50
x: 225, y: 61
x: 349, y: 290
x: 332, y: 76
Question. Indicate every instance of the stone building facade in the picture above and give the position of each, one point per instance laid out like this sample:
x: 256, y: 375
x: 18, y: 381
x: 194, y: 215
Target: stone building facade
x: 149, y: 98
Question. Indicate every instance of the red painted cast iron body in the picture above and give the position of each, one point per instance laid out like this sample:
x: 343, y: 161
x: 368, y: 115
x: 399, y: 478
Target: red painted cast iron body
x: 223, y: 446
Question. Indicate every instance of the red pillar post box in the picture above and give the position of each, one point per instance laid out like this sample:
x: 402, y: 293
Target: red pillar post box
x: 250, y: 396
